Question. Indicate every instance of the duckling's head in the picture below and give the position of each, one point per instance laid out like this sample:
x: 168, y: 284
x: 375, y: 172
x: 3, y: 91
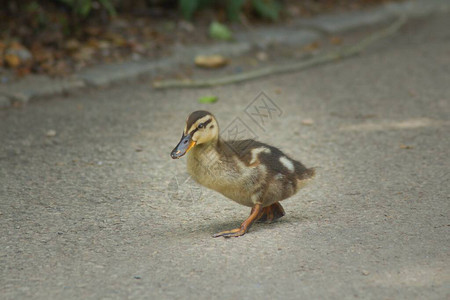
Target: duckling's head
x: 201, y: 128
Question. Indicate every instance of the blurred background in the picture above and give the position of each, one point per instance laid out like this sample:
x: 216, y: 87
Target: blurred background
x: 60, y: 37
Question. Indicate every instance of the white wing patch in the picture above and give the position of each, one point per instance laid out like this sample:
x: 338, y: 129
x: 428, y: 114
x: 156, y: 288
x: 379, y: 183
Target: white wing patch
x: 279, y: 176
x: 287, y: 163
x: 255, y: 152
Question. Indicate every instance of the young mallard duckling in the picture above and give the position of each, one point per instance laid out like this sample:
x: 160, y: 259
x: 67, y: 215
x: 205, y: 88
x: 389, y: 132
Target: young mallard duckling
x: 251, y: 173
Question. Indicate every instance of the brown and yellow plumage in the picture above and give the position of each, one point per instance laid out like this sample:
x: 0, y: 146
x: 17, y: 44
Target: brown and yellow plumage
x: 249, y: 172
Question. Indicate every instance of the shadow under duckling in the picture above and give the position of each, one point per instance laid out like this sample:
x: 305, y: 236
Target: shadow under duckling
x: 249, y: 172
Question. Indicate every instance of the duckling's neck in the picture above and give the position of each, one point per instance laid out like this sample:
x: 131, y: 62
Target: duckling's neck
x: 205, y: 153
x: 201, y: 158
x: 211, y: 145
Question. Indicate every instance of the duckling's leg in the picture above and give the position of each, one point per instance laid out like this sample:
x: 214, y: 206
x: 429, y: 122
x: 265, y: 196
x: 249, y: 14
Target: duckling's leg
x: 245, y: 226
x: 271, y: 213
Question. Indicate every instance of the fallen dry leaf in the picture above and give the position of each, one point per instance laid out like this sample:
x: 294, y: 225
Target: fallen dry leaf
x: 72, y: 45
x: 93, y: 30
x: 23, y: 71
x: 12, y: 60
x: 16, y: 55
x: 116, y: 39
x: 402, y: 146
x: 41, y: 54
x: 84, y: 54
x: 210, y: 61
x: 311, y: 47
x: 336, y: 40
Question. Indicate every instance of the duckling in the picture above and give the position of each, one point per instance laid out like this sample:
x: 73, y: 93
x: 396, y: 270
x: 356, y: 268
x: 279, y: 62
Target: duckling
x: 249, y: 172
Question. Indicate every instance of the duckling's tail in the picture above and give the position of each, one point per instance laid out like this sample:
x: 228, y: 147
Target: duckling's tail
x: 305, y: 177
x: 310, y: 173
x: 306, y: 173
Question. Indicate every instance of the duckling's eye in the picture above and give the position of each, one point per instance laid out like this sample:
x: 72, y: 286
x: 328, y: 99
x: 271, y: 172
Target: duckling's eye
x: 201, y: 126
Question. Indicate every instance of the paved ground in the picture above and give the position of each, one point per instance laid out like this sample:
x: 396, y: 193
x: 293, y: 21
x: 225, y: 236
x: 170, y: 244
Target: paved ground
x: 95, y: 211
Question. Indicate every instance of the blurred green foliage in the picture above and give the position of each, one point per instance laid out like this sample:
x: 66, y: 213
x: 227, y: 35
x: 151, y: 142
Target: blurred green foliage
x: 78, y: 10
x: 83, y: 8
x: 268, y: 9
x: 234, y: 8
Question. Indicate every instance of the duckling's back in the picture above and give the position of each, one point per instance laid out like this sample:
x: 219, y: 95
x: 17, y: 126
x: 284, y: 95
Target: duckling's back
x: 283, y: 176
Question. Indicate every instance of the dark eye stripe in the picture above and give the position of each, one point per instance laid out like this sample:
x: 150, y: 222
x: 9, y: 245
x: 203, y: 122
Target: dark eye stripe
x: 204, y: 125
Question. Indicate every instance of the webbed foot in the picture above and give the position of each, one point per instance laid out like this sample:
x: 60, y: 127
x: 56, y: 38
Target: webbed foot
x: 271, y: 213
x: 245, y: 226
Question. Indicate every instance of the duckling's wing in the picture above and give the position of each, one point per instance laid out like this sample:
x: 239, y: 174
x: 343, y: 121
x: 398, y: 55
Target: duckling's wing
x: 248, y: 151
x: 252, y: 153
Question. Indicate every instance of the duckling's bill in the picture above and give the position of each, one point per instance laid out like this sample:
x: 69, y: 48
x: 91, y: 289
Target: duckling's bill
x: 185, y: 144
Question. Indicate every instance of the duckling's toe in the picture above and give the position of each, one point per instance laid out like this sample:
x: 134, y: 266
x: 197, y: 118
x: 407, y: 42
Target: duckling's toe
x: 256, y: 211
x: 231, y: 233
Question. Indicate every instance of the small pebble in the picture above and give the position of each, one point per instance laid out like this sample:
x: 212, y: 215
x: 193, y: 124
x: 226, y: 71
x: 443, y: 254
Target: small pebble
x: 51, y: 133
x: 307, y: 122
x: 365, y: 272
x: 262, y: 56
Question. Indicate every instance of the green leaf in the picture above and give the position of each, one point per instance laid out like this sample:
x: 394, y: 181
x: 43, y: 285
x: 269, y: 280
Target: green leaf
x: 234, y: 9
x: 84, y: 8
x: 269, y: 9
x: 107, y: 4
x: 188, y: 7
x: 208, y: 99
x: 219, y: 31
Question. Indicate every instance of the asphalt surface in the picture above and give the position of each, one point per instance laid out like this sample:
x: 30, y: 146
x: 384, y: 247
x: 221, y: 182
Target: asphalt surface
x: 92, y: 205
